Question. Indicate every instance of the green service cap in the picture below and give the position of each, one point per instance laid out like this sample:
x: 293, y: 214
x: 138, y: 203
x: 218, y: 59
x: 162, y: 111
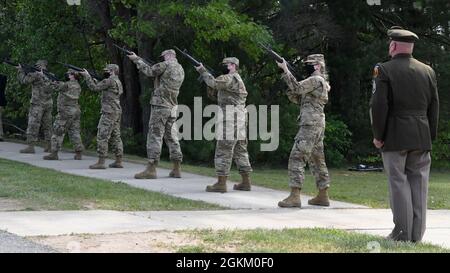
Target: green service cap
x: 400, y: 34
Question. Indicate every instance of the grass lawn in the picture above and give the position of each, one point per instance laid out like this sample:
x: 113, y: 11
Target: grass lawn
x: 297, y: 241
x: 44, y: 189
x: 370, y: 189
x: 365, y: 188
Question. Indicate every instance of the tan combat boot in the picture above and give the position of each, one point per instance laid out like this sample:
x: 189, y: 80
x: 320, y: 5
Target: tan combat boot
x: 77, y: 156
x: 117, y: 164
x: 220, y: 186
x: 28, y: 150
x: 51, y: 156
x: 48, y: 148
x: 293, y: 200
x: 149, y: 173
x: 100, y: 165
x: 321, y: 199
x: 245, y: 185
x: 176, y: 171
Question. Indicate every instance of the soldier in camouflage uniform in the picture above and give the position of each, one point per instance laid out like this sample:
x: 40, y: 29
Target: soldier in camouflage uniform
x: 68, y: 118
x: 230, y: 93
x: 312, y: 96
x: 169, y: 76
x: 109, y: 124
x: 40, y: 113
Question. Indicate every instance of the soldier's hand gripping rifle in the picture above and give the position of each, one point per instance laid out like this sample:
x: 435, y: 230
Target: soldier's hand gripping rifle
x: 194, y: 62
x: 277, y: 57
x: 31, y: 69
x: 79, y: 69
x: 129, y: 52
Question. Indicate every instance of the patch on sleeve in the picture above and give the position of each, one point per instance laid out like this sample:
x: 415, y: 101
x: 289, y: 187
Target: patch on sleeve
x: 376, y: 72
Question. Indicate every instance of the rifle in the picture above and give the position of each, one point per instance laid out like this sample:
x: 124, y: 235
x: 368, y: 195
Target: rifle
x: 276, y: 56
x: 30, y: 69
x: 79, y: 69
x: 128, y: 52
x: 194, y: 61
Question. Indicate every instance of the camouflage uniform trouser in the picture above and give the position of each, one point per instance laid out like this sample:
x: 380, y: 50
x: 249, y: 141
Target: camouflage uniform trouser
x: 109, y: 133
x: 39, y: 118
x: 161, y: 127
x: 70, y: 123
x: 308, y: 148
x: 229, y: 150
x: 1, y: 123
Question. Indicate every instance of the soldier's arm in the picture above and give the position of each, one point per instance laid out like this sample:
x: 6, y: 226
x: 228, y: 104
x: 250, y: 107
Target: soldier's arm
x: 303, y: 87
x: 220, y: 83
x: 379, y: 104
x: 150, y: 71
x: 94, y: 85
x: 28, y: 78
x: 70, y: 95
x: 433, y: 108
x: 212, y: 93
x: 294, y: 97
x: 58, y: 86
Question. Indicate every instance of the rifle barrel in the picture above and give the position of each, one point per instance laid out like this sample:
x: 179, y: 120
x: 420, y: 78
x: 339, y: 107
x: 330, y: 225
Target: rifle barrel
x: 79, y: 69
x: 128, y: 52
x: 276, y: 56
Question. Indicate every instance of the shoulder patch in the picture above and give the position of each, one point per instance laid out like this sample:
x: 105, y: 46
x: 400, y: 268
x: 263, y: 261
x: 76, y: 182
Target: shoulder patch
x: 376, y: 71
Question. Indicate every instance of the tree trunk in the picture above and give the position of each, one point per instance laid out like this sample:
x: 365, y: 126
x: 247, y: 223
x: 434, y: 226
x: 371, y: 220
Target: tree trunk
x: 131, y: 117
x: 145, y: 50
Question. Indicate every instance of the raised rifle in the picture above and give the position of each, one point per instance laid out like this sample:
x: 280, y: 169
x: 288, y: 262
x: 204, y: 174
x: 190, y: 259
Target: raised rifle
x: 194, y: 61
x: 277, y: 56
x: 129, y: 52
x: 79, y: 69
x: 31, y: 69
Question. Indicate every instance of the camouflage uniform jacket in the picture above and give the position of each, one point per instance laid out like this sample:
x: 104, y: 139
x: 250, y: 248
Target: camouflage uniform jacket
x: 312, y: 96
x: 41, y: 91
x: 169, y: 76
x: 111, y: 89
x: 228, y: 89
x: 69, y: 93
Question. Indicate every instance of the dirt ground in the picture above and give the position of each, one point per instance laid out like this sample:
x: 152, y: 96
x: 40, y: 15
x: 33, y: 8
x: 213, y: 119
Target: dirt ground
x: 152, y: 242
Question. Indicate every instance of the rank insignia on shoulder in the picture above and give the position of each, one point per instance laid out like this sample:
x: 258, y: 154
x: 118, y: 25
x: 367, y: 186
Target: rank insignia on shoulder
x: 376, y: 72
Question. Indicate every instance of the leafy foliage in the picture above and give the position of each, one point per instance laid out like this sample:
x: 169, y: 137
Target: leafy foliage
x: 350, y: 33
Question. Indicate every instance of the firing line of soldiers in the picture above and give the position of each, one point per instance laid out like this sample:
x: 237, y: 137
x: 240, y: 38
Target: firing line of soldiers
x: 402, y: 155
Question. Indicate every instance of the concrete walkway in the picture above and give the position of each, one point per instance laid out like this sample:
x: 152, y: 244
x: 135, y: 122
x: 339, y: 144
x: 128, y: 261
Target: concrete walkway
x: 191, y: 186
x: 372, y: 221
x: 256, y: 209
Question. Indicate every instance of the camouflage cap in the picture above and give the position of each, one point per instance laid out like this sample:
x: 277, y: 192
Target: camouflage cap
x: 399, y: 34
x: 71, y: 71
x: 42, y: 63
x: 315, y: 59
x: 112, y: 68
x: 168, y: 51
x: 231, y: 60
